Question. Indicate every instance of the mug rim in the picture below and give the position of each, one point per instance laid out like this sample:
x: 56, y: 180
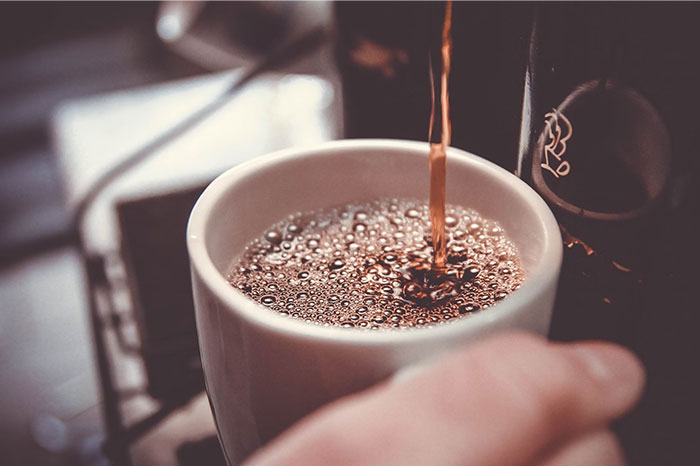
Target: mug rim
x: 536, y: 282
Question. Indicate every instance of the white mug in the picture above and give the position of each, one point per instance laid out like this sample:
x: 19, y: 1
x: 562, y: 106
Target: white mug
x: 264, y: 371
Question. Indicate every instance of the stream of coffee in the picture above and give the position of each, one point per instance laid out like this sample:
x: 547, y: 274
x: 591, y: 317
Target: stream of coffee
x: 437, y: 150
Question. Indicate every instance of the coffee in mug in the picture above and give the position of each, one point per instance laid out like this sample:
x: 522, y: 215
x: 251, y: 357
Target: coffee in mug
x: 370, y: 266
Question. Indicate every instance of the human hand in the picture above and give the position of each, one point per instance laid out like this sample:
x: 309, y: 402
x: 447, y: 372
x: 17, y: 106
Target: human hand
x: 511, y: 400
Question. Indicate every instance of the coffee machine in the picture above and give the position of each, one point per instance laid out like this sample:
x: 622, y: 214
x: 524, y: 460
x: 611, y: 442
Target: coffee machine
x: 609, y: 135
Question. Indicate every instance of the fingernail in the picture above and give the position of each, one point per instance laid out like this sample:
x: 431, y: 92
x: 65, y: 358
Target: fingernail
x: 614, y: 367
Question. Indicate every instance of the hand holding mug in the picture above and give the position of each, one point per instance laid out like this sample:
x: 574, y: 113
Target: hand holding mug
x: 512, y: 400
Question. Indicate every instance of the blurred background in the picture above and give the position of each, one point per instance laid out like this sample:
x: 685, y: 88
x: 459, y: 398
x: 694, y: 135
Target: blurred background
x: 115, y: 115
x: 85, y: 86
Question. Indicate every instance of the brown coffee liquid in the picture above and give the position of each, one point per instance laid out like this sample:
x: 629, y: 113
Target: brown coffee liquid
x: 437, y: 150
x: 370, y: 266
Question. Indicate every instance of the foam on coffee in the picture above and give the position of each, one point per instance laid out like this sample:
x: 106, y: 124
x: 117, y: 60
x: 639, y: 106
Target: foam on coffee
x: 370, y: 266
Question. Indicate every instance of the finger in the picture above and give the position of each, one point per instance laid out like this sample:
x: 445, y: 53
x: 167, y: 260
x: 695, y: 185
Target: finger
x: 502, y: 401
x: 599, y: 448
